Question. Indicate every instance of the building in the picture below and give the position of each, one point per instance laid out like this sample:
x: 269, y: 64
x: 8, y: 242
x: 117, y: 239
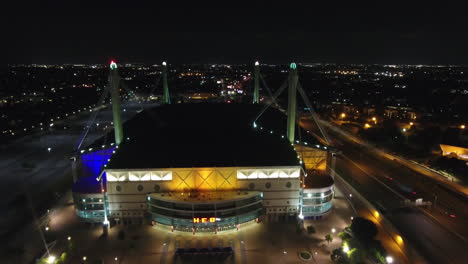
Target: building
x: 458, y: 151
x: 203, y: 167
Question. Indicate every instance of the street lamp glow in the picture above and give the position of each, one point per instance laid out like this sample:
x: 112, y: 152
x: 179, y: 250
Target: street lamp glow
x: 69, y: 238
x: 84, y: 258
x: 51, y: 259
x: 399, y: 239
x: 389, y: 259
x: 345, y: 248
x: 343, y: 115
x: 333, y: 230
x: 404, y: 129
x: 257, y: 63
x: 376, y: 214
x: 462, y: 126
x: 374, y: 119
x: 116, y: 259
x: 366, y: 125
x: 164, y: 63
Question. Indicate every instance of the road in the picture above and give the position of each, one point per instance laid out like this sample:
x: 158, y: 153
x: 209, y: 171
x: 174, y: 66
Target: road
x: 30, y: 171
x: 437, y: 236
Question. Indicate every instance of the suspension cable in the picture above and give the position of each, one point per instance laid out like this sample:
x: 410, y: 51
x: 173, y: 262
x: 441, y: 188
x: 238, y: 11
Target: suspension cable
x: 93, y: 116
x: 312, y: 112
x: 277, y: 93
x: 269, y: 91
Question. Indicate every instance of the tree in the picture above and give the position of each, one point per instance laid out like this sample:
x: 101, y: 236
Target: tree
x: 339, y: 257
x: 344, y: 236
x: 329, y: 238
x: 364, y: 230
x: 310, y: 230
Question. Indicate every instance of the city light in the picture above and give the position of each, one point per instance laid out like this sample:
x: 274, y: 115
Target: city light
x: 345, y: 248
x: 399, y: 239
x: 333, y: 230
x: 389, y: 259
x: 366, y: 125
x: 462, y: 126
x: 376, y: 214
x: 411, y: 123
x: 69, y: 238
x: 404, y: 130
x: 51, y: 259
x: 84, y: 258
x: 164, y: 63
x: 343, y: 115
x: 257, y: 63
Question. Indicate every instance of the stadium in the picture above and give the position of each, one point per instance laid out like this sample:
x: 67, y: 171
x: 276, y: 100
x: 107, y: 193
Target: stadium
x: 204, y: 167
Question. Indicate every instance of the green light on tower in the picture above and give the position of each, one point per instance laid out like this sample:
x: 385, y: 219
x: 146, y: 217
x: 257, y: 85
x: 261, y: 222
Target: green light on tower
x: 113, y: 65
x: 292, y: 65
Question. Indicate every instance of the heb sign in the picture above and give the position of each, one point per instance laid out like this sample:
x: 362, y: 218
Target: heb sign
x: 204, y: 219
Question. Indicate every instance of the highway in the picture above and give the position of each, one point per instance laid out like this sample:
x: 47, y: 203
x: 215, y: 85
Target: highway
x: 438, y: 237
x: 28, y: 167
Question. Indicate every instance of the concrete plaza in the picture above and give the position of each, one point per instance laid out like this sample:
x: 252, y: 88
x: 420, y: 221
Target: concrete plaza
x: 263, y: 242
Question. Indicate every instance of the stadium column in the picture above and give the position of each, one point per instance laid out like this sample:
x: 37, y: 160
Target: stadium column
x: 114, y: 80
x: 166, y: 97
x: 292, y: 104
x: 256, y: 94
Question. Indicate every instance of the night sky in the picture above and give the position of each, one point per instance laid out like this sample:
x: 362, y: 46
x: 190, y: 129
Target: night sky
x: 78, y: 32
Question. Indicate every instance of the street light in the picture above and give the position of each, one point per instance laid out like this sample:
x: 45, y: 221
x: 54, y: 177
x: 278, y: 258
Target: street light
x: 376, y: 214
x: 462, y: 126
x: 69, y: 238
x: 51, y: 259
x: 84, y: 258
x: 343, y: 115
x: 389, y: 259
x: 333, y: 230
x: 345, y: 248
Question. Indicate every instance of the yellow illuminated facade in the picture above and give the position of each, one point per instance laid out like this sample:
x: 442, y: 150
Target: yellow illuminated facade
x: 127, y: 189
x: 461, y: 153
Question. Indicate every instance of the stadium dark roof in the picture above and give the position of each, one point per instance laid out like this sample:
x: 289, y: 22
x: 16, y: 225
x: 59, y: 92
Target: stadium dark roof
x: 204, y: 135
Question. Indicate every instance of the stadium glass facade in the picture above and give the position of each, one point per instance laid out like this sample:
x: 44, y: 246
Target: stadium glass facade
x: 206, y: 214
x: 317, y: 202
